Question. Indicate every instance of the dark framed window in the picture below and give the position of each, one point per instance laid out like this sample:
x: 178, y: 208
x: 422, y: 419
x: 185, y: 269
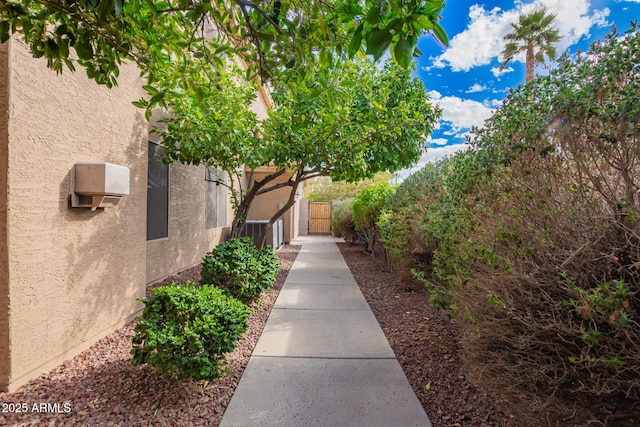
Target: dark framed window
x: 157, y: 194
x: 217, y: 198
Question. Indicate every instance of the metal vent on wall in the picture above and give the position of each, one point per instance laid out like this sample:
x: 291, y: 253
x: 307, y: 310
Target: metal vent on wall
x: 275, y: 237
x: 85, y: 200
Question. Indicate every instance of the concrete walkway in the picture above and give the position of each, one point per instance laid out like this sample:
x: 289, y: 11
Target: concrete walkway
x: 322, y: 359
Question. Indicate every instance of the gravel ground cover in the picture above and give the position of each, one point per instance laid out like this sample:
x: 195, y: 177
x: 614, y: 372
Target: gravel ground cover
x: 424, y: 341
x: 99, y: 387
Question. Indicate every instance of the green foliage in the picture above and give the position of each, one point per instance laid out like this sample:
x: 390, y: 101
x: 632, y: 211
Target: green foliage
x: 273, y: 38
x: 367, y: 208
x: 432, y: 208
x: 348, y: 121
x: 369, y: 204
x: 606, y: 303
x: 342, y: 220
x: 323, y: 189
x: 240, y: 269
x: 185, y: 331
x: 201, y: 119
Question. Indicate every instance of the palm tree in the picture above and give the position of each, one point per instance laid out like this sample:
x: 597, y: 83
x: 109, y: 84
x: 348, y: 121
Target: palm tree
x: 534, y: 35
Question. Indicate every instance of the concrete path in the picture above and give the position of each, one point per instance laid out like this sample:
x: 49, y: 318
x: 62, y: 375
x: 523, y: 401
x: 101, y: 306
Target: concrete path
x: 322, y: 359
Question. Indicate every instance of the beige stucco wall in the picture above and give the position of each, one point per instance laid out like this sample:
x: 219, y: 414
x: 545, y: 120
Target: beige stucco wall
x: 75, y: 274
x: 303, y: 223
x: 4, y: 266
x: 188, y: 238
x: 267, y: 204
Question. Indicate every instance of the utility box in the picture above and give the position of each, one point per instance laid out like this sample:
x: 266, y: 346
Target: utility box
x: 98, y: 184
x: 275, y: 236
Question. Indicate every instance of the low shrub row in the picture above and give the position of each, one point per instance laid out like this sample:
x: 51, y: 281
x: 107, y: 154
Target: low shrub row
x: 186, y: 330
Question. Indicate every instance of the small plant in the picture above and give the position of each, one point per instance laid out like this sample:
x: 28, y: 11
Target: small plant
x: 608, y: 302
x: 438, y: 297
x: 185, y: 331
x: 240, y: 269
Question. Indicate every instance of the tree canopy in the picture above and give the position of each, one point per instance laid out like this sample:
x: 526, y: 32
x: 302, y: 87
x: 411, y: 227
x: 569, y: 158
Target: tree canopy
x: 336, y: 114
x: 273, y: 37
x: 348, y: 122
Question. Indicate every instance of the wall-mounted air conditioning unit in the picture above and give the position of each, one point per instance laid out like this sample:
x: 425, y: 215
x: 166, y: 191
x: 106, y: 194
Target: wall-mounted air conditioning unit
x: 98, y: 185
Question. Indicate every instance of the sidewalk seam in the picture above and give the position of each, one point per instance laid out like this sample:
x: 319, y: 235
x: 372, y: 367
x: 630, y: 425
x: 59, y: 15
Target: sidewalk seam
x: 323, y: 358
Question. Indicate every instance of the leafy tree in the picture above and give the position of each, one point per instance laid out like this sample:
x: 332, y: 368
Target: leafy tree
x: 273, y: 37
x: 323, y: 189
x: 347, y: 122
x: 534, y: 35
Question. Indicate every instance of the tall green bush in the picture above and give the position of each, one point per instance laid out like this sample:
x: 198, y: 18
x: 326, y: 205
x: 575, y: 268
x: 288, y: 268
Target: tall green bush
x: 367, y: 208
x: 185, y: 331
x: 427, y: 217
x: 237, y: 266
x: 342, y: 220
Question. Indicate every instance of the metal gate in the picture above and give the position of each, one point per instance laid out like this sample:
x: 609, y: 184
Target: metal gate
x: 319, y: 217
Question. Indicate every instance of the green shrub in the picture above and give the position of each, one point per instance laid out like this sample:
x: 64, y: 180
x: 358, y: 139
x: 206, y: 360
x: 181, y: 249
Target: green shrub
x: 185, y: 331
x: 239, y: 268
x: 367, y: 208
x: 342, y: 222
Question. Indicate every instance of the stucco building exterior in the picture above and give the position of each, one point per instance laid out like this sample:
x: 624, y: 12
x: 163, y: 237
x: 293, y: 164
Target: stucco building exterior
x: 70, y: 276
x: 267, y: 204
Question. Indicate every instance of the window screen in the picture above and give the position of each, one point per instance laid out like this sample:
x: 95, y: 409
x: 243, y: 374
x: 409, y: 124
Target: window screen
x: 216, y: 210
x: 157, y: 194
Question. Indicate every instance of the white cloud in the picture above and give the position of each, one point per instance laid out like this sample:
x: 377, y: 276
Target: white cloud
x: 493, y: 103
x: 480, y: 42
x: 573, y: 19
x: 435, y: 153
x: 483, y: 39
x: 477, y: 88
x: 497, y: 73
x: 437, y: 141
x: 460, y: 113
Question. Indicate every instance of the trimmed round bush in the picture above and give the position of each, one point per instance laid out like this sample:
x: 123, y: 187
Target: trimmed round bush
x: 185, y: 331
x: 241, y: 269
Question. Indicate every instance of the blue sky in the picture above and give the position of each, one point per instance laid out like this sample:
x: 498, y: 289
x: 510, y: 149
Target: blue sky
x: 464, y: 79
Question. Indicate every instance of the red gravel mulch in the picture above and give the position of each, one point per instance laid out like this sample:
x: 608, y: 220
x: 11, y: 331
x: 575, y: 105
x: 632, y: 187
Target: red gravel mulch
x: 424, y: 341
x: 99, y: 387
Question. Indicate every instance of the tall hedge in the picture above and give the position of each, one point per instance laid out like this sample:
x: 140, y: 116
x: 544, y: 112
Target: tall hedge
x: 535, y: 240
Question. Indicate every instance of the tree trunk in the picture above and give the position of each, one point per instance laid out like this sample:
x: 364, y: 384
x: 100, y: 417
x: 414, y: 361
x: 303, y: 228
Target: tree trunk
x: 530, y: 64
x: 242, y: 211
x: 292, y: 200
